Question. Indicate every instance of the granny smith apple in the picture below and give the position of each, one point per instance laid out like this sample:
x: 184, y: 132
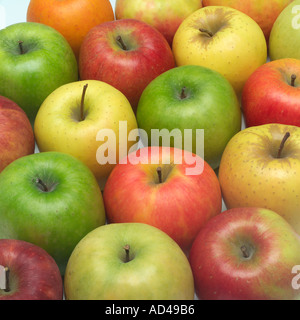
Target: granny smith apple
x: 128, y: 261
x: 284, y: 39
x: 191, y: 97
x: 246, y: 253
x: 35, y: 59
x: 77, y: 118
x: 50, y: 199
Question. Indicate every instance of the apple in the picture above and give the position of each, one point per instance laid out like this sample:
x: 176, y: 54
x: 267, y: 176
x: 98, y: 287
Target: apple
x: 191, y: 98
x: 30, y: 273
x: 127, y: 54
x: 75, y: 119
x: 260, y: 167
x: 35, y: 59
x: 272, y: 94
x: 245, y: 254
x: 284, y: 39
x: 163, y: 193
x: 16, y: 134
x: 50, y: 199
x: 70, y: 17
x: 165, y: 16
x: 264, y: 12
x: 223, y: 39
x: 128, y: 261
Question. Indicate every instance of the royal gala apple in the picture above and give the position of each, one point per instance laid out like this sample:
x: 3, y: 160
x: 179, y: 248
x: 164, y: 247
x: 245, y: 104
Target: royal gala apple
x: 272, y: 94
x: 246, y: 254
x: 29, y: 272
x: 50, y: 199
x: 223, y: 39
x: 186, y: 99
x: 127, y: 54
x: 165, y: 16
x: 76, y: 119
x: 284, y: 39
x: 16, y: 134
x: 260, y: 167
x: 70, y: 17
x: 128, y: 261
x: 35, y: 59
x: 264, y: 12
x: 160, y: 191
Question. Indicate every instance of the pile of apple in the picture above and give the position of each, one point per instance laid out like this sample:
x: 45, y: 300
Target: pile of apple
x: 151, y: 152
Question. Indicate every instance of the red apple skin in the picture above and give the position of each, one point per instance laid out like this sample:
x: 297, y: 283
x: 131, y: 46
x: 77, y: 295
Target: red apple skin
x: 16, y: 133
x: 180, y: 206
x: 34, y: 275
x: 264, y: 12
x: 219, y: 269
x: 269, y: 97
x: 129, y: 71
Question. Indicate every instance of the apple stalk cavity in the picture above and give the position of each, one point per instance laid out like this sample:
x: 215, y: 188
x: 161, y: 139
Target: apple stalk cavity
x: 82, y: 102
x: 121, y: 43
x: 286, y: 136
x: 21, y: 47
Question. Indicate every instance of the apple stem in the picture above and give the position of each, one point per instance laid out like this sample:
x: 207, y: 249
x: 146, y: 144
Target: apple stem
x: 42, y: 184
x: 82, y: 102
x: 158, y: 170
x: 293, y: 79
x: 245, y: 252
x: 286, y: 136
x: 21, y: 47
x: 121, y: 42
x: 7, y: 289
x: 208, y: 33
x: 183, y: 94
x: 127, y: 248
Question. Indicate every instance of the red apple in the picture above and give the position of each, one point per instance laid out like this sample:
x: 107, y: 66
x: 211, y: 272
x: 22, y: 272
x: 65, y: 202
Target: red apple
x: 272, y: 94
x: 246, y: 254
x: 264, y: 12
x: 16, y: 133
x: 165, y: 16
x: 29, y: 272
x: 163, y: 193
x: 127, y: 54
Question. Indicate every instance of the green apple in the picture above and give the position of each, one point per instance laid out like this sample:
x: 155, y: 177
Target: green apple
x: 50, y: 199
x: 223, y: 39
x: 128, y: 261
x: 284, y: 39
x: 35, y: 59
x: 75, y: 119
x: 191, y: 97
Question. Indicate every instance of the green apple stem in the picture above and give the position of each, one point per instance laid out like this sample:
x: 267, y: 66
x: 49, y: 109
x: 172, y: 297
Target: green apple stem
x: 42, y: 185
x: 158, y: 170
x: 121, y: 42
x: 286, y: 136
x: 245, y: 252
x: 82, y: 102
x: 7, y: 288
x: 21, y: 47
x: 183, y: 93
x: 293, y: 79
x: 127, y: 251
x: 207, y: 32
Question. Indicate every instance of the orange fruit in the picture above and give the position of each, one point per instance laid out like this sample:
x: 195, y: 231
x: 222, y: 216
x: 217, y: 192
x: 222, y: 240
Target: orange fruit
x: 72, y: 18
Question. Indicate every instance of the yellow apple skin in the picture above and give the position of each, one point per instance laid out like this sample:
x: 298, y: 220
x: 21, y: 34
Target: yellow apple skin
x: 251, y: 175
x: 57, y: 126
x: 236, y: 48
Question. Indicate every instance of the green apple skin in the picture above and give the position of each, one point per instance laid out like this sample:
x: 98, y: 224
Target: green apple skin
x: 210, y: 104
x: 246, y: 253
x: 284, y: 39
x: 47, y: 62
x: 54, y: 220
x: 157, y: 267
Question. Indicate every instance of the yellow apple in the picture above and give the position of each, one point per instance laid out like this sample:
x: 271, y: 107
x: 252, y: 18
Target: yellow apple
x: 90, y: 120
x: 260, y: 167
x: 223, y: 39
